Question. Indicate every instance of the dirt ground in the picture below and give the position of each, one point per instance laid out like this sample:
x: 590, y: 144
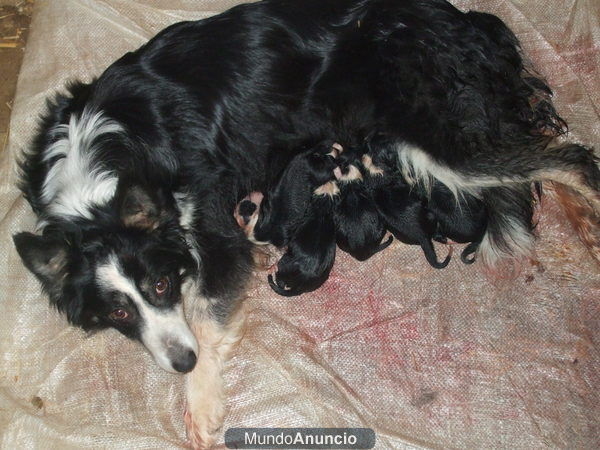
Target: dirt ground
x: 15, y: 17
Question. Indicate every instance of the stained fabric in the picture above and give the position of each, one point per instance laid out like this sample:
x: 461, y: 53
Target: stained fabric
x: 455, y: 358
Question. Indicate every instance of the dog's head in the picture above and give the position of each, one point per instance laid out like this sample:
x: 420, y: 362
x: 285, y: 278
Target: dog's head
x: 128, y: 275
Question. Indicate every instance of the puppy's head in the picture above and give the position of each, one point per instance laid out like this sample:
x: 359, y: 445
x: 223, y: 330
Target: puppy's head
x: 322, y: 163
x: 127, y: 276
x: 382, y: 156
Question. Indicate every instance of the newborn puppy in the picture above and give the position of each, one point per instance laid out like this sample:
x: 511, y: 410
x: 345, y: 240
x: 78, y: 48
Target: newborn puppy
x: 306, y: 264
x: 381, y: 159
x: 461, y: 221
x: 275, y: 218
x: 406, y: 215
x: 359, y: 228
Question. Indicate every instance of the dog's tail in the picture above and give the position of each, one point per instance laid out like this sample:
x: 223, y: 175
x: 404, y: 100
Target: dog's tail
x: 431, y: 256
x: 575, y: 169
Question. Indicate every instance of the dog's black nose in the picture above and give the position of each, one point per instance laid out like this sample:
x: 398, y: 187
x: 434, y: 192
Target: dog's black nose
x: 185, y: 362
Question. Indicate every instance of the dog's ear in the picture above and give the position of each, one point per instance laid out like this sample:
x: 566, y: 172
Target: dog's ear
x: 139, y: 206
x: 46, y: 257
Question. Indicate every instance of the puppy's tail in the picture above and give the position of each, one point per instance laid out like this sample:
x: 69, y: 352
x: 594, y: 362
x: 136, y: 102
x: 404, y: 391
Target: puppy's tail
x: 431, y: 256
x: 468, y: 254
x: 382, y: 246
x: 280, y: 290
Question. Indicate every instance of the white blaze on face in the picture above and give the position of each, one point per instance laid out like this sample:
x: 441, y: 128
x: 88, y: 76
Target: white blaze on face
x: 164, y: 332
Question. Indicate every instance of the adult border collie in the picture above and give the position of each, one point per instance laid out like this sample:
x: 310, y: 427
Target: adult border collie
x: 135, y: 176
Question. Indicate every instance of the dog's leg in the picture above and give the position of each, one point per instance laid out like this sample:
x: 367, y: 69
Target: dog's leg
x: 205, y: 391
x: 585, y: 223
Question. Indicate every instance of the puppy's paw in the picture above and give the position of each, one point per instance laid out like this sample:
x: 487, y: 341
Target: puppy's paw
x: 203, y: 421
x: 337, y: 172
x: 351, y: 174
x: 373, y: 170
x: 246, y: 213
x: 330, y: 188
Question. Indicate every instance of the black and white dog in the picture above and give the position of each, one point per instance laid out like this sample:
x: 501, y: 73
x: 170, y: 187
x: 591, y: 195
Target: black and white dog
x: 134, y: 177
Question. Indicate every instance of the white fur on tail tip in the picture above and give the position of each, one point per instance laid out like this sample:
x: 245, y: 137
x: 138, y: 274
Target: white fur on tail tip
x: 73, y: 185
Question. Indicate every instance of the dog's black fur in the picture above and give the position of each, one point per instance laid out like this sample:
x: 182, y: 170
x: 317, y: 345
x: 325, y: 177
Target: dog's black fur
x: 209, y: 111
x: 309, y: 257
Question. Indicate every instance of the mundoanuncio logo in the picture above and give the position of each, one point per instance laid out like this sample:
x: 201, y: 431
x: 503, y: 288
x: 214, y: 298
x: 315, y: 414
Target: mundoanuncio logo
x: 300, y: 438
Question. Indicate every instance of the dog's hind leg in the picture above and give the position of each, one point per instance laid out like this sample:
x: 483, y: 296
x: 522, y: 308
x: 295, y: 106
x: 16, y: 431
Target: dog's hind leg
x: 205, y: 391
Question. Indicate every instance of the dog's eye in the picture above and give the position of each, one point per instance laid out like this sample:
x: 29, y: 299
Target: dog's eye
x: 161, y: 285
x: 118, y: 314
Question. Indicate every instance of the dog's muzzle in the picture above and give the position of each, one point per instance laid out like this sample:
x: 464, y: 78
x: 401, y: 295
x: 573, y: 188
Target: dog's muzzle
x: 183, y: 359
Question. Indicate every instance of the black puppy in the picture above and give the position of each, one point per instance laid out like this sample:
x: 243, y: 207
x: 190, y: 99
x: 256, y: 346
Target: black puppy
x: 359, y: 228
x: 275, y: 218
x: 460, y: 220
x: 306, y: 264
x: 405, y: 214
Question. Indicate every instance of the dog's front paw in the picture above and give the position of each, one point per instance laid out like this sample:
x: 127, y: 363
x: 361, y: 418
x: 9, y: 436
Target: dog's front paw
x: 205, y: 393
x: 203, y: 422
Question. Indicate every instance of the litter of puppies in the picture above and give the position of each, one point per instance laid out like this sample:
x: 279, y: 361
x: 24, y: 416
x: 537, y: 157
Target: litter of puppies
x: 357, y: 198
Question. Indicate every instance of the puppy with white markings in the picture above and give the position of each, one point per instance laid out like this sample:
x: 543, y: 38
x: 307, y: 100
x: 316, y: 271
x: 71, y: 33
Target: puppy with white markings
x: 358, y: 227
x: 275, y: 218
x: 297, y: 214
